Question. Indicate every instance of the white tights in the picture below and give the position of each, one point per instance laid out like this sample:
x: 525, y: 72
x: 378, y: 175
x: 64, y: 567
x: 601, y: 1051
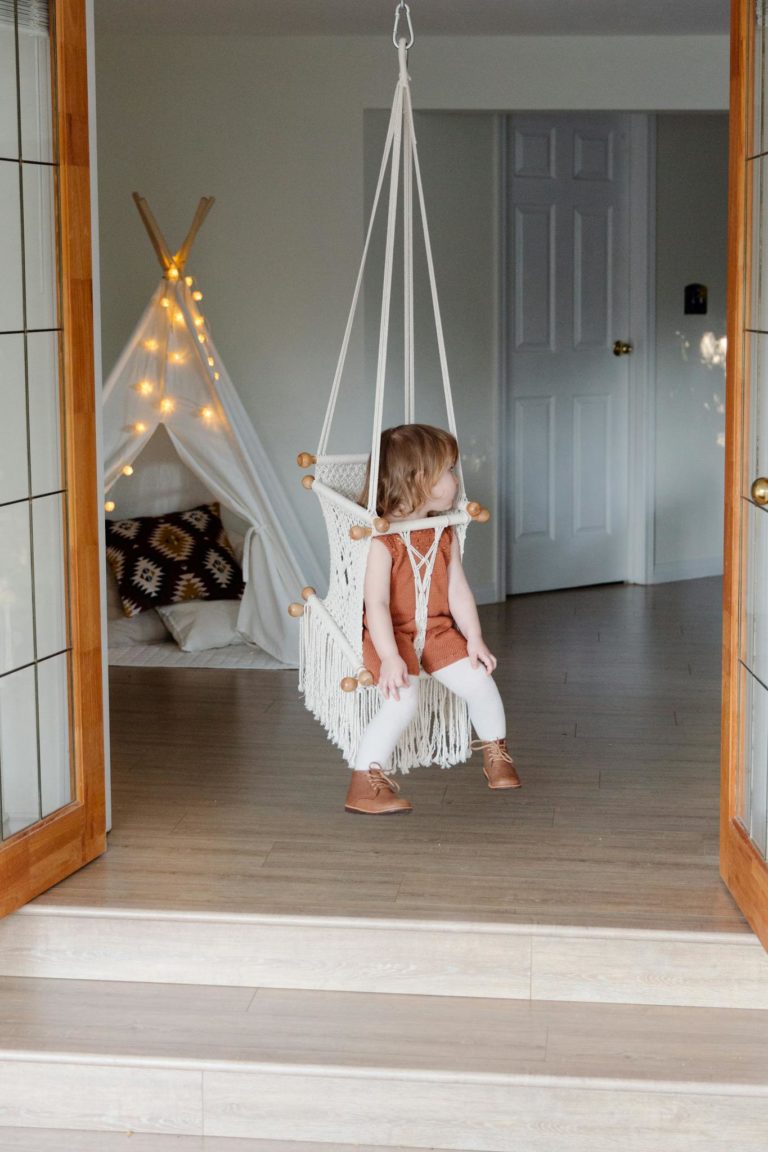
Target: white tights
x: 474, y: 685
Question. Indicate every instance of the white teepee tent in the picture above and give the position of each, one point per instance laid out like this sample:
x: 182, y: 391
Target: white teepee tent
x: 171, y: 373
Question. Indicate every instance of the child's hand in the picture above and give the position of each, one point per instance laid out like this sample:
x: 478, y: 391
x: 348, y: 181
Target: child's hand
x: 479, y: 653
x: 394, y: 675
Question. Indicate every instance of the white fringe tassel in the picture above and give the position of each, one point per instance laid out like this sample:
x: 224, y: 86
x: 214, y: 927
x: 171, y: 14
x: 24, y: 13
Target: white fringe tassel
x: 439, y: 733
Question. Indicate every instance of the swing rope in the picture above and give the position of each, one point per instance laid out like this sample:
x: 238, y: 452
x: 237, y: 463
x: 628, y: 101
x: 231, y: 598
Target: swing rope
x: 400, y: 148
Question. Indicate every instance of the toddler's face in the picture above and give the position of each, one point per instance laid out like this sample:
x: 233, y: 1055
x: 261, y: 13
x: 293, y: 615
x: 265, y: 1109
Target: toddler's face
x: 444, y: 491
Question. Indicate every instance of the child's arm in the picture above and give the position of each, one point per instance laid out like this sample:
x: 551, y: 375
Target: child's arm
x: 462, y: 607
x: 394, y: 672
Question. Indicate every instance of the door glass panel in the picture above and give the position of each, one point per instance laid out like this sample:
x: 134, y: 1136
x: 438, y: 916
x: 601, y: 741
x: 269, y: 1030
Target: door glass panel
x: 17, y: 642
x: 54, y: 733
x: 11, y: 296
x: 14, y: 477
x: 35, y: 86
x: 39, y: 245
x: 20, y: 793
x: 36, y: 767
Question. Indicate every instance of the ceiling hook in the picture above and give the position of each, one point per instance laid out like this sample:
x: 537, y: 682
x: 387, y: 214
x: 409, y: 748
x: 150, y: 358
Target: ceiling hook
x: 402, y: 10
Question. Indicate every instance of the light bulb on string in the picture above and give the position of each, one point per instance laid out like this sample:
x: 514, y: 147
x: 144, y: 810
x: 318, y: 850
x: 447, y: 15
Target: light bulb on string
x: 199, y: 320
x: 207, y: 413
x: 177, y: 357
x: 197, y: 295
x: 151, y: 345
x: 210, y: 361
x: 109, y: 506
x: 189, y: 281
x: 145, y: 387
x: 128, y: 470
x: 173, y: 272
x: 178, y: 317
x: 216, y: 376
x: 201, y: 337
x: 167, y: 404
x: 140, y: 427
x: 165, y: 302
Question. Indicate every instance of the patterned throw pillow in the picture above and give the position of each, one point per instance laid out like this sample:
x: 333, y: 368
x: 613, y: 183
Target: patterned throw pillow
x: 169, y: 559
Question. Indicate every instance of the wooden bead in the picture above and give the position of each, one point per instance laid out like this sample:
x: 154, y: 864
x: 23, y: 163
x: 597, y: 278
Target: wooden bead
x: 359, y: 532
x: 380, y: 524
x: 348, y: 684
x: 295, y: 609
x: 304, y: 459
x: 473, y: 508
x: 483, y: 516
x: 307, y: 592
x: 365, y: 678
x: 307, y: 482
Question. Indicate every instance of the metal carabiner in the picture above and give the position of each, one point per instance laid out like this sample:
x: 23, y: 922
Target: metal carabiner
x: 402, y: 8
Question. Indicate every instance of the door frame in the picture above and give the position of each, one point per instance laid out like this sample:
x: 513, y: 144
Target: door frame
x: 641, y: 395
x: 39, y: 856
x: 741, y: 866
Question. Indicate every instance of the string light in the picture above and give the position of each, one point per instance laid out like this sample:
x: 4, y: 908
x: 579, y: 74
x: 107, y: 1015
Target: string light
x: 140, y: 427
x: 216, y: 376
x: 189, y: 281
x: 173, y: 272
x: 197, y: 295
x: 206, y: 413
x: 128, y: 470
x: 165, y: 302
x: 177, y: 357
x: 109, y: 506
x: 201, y: 337
x: 167, y: 404
x: 151, y: 345
x: 199, y: 320
x: 178, y: 316
x: 145, y: 387
x: 210, y: 361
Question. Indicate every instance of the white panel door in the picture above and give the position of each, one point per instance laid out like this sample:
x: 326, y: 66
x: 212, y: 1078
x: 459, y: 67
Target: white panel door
x: 568, y: 294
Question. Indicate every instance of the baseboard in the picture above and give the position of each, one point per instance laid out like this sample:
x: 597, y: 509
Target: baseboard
x: 687, y: 569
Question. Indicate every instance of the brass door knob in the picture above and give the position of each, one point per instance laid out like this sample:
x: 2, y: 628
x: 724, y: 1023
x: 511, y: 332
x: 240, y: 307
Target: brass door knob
x: 759, y: 490
x: 621, y: 348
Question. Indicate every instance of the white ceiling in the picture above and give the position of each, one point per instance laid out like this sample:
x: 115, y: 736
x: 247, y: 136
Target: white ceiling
x: 431, y: 17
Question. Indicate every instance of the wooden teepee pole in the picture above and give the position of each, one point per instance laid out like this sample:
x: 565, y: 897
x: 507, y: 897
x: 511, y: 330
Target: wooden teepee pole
x: 155, y: 235
x: 203, y: 208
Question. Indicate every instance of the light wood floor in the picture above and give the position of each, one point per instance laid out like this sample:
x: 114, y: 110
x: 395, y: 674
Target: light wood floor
x: 228, y: 797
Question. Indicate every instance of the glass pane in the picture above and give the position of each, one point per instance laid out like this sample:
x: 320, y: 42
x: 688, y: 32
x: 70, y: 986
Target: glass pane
x: 40, y: 246
x: 53, y: 708
x: 14, y: 472
x: 759, y: 133
x: 9, y: 126
x: 18, y: 751
x: 11, y: 310
x: 16, y: 624
x: 44, y: 412
x: 35, y: 94
x: 49, y: 585
x: 755, y: 803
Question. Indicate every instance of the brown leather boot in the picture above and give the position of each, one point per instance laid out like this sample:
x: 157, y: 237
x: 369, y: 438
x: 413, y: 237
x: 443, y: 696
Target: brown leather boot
x: 375, y: 794
x: 498, y: 765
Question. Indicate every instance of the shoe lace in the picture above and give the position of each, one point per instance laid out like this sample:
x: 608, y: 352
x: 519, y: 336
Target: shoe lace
x: 498, y: 749
x: 379, y: 780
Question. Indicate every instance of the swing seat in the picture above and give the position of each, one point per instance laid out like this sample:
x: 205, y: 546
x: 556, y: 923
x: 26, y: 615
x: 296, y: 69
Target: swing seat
x: 337, y: 688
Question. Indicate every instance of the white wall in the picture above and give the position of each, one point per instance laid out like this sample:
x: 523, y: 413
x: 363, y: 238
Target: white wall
x: 691, y: 218
x: 273, y: 127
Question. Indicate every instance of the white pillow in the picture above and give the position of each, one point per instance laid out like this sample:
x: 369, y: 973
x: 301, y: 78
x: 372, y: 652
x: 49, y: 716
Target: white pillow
x: 199, y: 624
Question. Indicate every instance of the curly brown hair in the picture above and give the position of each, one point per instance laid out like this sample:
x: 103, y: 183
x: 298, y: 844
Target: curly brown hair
x: 412, y: 458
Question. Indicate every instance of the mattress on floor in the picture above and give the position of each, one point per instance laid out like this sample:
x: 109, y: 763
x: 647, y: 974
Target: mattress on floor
x: 167, y: 654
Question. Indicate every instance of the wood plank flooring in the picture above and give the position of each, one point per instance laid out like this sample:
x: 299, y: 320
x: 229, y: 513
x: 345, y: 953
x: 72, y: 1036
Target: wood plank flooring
x: 228, y: 797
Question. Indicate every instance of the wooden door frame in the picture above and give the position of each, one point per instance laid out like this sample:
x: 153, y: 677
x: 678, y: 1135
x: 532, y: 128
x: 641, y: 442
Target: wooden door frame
x: 37, y: 857
x: 741, y: 866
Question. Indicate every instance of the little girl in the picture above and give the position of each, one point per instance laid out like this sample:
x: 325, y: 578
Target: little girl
x: 416, y: 479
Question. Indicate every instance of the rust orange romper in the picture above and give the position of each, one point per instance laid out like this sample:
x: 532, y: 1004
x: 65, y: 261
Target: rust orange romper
x: 443, y: 643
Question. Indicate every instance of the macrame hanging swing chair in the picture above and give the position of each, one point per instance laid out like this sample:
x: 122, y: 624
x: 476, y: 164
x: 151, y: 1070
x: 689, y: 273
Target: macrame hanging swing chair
x: 338, y: 689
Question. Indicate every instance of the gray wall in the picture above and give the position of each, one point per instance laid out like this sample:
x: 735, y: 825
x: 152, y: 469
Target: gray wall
x: 691, y: 219
x: 274, y: 128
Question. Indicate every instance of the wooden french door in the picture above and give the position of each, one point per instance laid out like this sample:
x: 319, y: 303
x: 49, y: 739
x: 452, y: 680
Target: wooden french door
x: 744, y: 793
x: 52, y: 813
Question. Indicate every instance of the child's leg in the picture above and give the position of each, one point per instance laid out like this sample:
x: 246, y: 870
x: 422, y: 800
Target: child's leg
x: 386, y: 728
x: 486, y: 710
